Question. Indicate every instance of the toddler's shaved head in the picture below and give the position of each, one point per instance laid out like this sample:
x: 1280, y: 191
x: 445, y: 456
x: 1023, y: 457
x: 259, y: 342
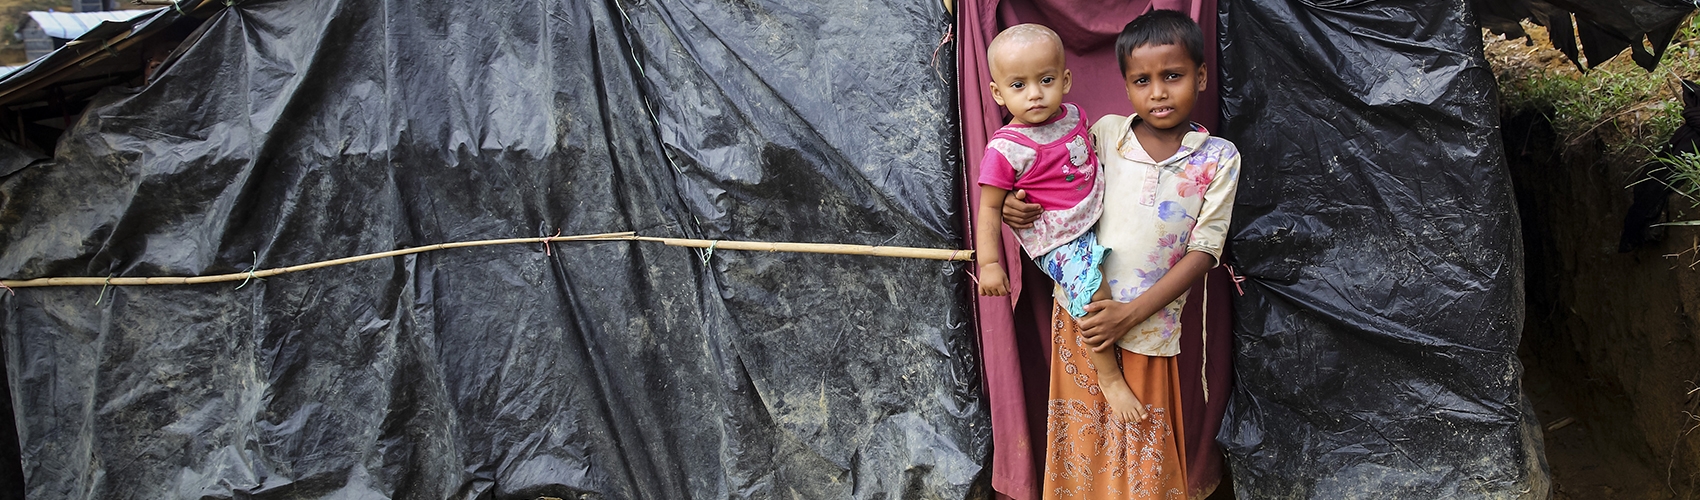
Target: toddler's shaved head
x: 1024, y: 36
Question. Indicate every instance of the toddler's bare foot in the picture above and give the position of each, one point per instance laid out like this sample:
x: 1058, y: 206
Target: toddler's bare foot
x: 1122, y: 401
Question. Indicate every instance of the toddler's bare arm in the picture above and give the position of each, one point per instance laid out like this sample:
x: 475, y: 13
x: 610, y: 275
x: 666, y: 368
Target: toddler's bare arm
x: 988, y: 242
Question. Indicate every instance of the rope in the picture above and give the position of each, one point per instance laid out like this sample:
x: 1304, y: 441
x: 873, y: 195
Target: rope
x: 251, y: 268
x: 102, y: 295
x: 1237, y: 280
x: 252, y: 273
x: 1204, y: 373
x: 949, y: 36
x: 546, y: 246
x: 1204, y: 341
x: 708, y: 254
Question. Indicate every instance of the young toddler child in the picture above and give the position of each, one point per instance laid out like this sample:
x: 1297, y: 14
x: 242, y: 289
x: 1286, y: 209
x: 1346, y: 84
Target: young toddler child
x: 1044, y: 151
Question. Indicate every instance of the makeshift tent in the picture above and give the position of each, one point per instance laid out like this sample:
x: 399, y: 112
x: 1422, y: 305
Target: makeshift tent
x: 286, y: 132
x: 1378, y: 334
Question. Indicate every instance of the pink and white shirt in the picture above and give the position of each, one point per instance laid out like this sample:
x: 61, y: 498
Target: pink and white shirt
x: 1054, y: 162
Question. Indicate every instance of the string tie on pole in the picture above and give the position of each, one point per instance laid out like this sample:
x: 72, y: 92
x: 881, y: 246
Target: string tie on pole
x: 1237, y: 280
x: 709, y: 254
x: 251, y: 275
x: 102, y: 295
x: 949, y: 35
x: 548, y: 243
x: 966, y: 270
x: 8, y: 289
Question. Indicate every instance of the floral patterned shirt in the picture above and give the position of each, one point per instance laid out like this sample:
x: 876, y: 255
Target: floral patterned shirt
x: 1155, y: 212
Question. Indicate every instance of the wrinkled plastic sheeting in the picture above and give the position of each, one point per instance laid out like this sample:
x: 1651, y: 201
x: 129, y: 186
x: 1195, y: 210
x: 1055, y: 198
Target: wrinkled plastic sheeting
x: 296, y: 131
x: 1604, y: 29
x: 1377, y: 335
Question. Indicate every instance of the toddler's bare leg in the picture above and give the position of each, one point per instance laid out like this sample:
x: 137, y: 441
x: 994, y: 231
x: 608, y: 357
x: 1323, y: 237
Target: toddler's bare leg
x: 1103, y: 292
x: 1122, y: 401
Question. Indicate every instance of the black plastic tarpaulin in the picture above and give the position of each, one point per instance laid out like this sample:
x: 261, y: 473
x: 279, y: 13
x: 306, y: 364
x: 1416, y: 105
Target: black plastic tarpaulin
x: 289, y: 132
x: 1378, y: 332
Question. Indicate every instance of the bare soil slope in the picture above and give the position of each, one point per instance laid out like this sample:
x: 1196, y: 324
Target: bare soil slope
x: 1612, y: 339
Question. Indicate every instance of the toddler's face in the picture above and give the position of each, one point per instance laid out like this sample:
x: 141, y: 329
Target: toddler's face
x: 1030, y: 82
x: 1163, y: 83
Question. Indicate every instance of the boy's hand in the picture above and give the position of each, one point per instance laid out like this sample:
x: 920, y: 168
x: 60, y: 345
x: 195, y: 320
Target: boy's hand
x: 1107, y: 320
x: 1017, y: 212
x: 993, y: 281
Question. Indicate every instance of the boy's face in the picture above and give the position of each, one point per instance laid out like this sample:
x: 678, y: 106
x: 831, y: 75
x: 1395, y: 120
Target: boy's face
x: 1163, y: 83
x: 1030, y: 81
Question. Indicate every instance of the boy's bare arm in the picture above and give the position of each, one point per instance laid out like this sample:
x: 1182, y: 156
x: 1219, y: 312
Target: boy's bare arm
x: 988, y: 242
x: 1017, y: 212
x: 1107, y: 320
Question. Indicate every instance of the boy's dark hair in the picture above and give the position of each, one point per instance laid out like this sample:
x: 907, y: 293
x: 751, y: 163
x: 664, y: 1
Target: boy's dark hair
x: 1160, y: 27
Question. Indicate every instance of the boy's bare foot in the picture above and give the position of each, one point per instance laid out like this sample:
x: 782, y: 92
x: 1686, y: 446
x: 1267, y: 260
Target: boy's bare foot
x: 1122, y: 401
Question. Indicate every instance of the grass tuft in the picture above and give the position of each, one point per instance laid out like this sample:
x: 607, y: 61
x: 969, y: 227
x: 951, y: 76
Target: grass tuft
x: 1631, y: 111
x: 1683, y: 171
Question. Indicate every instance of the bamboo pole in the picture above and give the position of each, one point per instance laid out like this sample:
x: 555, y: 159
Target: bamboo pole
x: 266, y: 273
x: 765, y: 246
x: 827, y: 248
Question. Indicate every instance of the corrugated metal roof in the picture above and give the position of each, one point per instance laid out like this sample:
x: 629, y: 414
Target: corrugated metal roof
x: 108, y: 49
x: 69, y: 25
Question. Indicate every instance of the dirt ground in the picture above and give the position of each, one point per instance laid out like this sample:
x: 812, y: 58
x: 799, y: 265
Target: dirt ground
x: 1587, y: 461
x: 1610, y: 341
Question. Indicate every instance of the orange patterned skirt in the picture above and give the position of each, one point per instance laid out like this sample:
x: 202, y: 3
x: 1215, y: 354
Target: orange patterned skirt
x: 1093, y: 455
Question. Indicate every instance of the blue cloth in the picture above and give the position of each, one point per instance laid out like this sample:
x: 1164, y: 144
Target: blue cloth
x: 1075, y: 265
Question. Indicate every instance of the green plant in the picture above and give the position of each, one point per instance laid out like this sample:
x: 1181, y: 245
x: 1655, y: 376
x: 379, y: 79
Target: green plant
x: 1630, y: 110
x: 1681, y: 172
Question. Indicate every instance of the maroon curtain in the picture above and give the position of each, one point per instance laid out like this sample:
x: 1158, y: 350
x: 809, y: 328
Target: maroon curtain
x: 1015, y: 340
